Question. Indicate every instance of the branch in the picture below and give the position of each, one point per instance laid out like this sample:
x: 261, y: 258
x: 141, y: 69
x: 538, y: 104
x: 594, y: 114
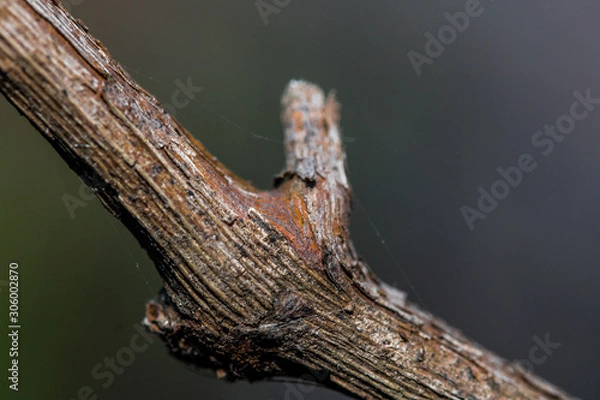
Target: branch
x: 256, y: 284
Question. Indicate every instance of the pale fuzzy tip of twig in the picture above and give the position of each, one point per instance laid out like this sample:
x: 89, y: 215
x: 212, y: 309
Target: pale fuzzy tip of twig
x: 303, y: 92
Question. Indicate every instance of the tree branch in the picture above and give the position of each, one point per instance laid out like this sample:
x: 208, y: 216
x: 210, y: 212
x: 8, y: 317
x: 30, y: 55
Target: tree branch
x: 256, y: 284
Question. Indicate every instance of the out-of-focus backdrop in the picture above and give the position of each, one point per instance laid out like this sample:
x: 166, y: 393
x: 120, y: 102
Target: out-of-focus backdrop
x: 427, y: 123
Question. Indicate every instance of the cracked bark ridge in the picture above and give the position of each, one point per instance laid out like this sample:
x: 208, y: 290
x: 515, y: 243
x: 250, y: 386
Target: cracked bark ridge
x: 256, y: 283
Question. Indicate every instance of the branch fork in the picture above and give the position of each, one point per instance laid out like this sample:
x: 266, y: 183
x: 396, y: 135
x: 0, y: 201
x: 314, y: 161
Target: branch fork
x: 256, y: 283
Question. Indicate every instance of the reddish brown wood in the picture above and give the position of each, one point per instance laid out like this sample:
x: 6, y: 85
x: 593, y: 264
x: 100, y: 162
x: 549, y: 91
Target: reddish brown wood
x: 256, y: 283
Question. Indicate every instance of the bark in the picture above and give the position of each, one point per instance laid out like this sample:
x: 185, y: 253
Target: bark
x: 256, y: 283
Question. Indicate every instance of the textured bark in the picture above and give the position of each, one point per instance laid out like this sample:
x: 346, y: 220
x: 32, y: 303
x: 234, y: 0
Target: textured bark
x: 256, y: 284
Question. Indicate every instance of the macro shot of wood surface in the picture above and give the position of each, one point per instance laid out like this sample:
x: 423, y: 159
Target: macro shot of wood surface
x: 256, y: 283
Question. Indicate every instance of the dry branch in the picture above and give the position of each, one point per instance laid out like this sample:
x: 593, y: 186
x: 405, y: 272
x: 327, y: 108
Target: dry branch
x: 256, y: 284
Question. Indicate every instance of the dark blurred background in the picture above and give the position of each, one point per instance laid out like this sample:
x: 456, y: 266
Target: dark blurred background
x: 418, y: 149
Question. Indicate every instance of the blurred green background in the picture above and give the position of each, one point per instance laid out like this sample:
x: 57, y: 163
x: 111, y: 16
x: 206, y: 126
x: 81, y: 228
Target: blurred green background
x: 418, y: 148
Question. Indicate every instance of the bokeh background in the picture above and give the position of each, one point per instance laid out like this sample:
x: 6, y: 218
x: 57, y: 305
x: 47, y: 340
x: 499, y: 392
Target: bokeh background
x: 418, y: 148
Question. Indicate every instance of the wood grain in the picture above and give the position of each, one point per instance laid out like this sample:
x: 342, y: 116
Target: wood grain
x: 256, y: 283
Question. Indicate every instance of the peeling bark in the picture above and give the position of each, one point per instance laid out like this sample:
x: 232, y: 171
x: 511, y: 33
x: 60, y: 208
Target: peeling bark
x: 256, y: 283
